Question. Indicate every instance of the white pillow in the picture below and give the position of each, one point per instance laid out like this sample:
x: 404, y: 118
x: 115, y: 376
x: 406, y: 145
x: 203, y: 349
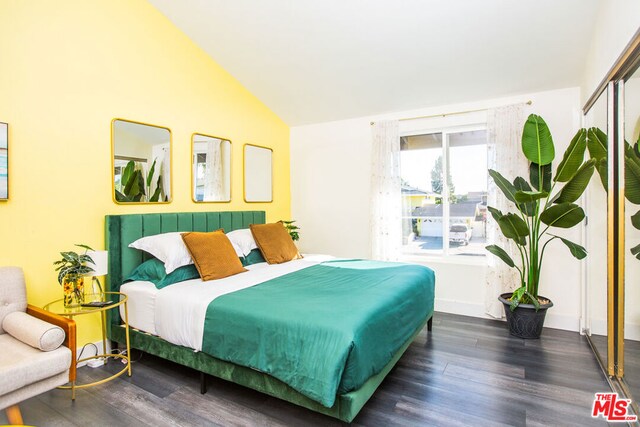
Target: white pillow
x: 242, y: 240
x: 167, y: 247
x: 33, y: 331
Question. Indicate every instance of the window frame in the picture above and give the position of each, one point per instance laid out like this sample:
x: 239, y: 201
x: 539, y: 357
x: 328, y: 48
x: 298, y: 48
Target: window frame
x: 445, y: 257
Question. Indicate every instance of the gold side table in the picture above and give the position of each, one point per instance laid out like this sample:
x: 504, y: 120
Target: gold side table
x: 57, y: 307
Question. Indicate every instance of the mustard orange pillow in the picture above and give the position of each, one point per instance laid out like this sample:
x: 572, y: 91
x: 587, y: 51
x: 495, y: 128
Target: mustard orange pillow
x: 274, y: 242
x: 213, y: 254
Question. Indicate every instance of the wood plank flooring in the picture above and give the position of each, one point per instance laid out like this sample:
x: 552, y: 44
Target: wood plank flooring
x: 466, y: 372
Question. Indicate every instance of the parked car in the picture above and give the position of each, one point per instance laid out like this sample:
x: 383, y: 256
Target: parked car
x: 459, y: 233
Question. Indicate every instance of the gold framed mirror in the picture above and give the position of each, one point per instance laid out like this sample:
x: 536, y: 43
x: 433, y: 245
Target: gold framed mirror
x: 141, y: 162
x: 210, y: 169
x: 258, y: 174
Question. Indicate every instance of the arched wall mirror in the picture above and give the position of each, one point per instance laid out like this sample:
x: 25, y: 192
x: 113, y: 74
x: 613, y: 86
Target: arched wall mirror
x: 211, y: 169
x: 141, y: 160
x: 258, y: 174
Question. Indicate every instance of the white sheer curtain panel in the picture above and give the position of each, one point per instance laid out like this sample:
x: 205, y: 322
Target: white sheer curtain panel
x: 504, y: 139
x: 213, y: 171
x: 386, y: 204
x: 166, y: 172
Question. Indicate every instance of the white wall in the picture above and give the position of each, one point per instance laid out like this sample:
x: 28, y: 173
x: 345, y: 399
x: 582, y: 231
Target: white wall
x: 330, y: 192
x: 616, y: 23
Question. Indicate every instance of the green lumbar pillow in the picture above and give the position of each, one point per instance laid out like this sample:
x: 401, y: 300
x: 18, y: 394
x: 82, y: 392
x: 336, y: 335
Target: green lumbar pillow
x: 152, y: 270
x: 253, y: 257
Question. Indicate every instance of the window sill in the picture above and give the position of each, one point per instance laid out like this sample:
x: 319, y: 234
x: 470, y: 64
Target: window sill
x: 451, y: 259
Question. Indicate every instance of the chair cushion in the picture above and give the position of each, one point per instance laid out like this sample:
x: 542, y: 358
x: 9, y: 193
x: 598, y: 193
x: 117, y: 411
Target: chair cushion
x: 21, y: 364
x: 13, y: 293
x: 33, y: 331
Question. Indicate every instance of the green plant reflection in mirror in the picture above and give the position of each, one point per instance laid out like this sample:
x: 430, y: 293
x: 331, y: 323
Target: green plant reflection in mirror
x: 211, y: 169
x: 141, y: 162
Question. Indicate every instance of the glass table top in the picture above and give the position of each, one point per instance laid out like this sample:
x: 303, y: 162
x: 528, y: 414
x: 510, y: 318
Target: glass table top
x: 57, y: 306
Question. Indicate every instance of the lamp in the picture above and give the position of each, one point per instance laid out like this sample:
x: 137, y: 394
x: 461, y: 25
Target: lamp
x: 100, y: 267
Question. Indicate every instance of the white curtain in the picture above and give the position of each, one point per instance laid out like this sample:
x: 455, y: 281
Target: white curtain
x: 504, y: 139
x: 386, y: 204
x: 166, y: 171
x: 213, y: 171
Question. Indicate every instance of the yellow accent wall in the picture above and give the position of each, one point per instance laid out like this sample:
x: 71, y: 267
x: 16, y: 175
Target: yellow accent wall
x: 67, y: 68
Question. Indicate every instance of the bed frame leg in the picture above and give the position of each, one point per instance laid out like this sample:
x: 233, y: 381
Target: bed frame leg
x: 430, y: 324
x: 203, y: 383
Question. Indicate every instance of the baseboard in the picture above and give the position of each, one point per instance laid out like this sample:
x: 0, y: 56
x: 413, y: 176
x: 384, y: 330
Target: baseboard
x: 461, y: 307
x: 631, y: 330
x: 556, y: 321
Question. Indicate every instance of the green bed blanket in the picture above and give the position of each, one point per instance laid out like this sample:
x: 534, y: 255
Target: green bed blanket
x: 323, y: 330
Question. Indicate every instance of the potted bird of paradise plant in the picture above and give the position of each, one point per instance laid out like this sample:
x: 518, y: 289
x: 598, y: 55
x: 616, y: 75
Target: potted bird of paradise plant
x: 543, y: 203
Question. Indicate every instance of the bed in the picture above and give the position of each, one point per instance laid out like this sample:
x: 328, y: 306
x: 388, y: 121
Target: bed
x: 365, y: 363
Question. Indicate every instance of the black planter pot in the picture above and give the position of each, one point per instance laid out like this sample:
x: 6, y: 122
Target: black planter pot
x: 525, y: 322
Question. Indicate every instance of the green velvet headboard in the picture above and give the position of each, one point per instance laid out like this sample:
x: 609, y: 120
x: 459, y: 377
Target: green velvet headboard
x: 124, y: 229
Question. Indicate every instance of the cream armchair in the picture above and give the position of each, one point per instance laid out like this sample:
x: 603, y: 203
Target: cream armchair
x: 32, y: 359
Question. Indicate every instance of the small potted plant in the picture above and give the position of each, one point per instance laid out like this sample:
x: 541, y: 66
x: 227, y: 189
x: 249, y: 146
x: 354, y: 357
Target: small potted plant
x: 543, y: 203
x: 71, y: 271
x: 292, y: 229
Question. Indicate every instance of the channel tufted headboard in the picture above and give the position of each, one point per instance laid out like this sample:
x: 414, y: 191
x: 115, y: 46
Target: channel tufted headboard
x: 123, y: 229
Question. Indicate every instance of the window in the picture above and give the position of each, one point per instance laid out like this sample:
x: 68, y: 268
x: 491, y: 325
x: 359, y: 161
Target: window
x: 444, y: 192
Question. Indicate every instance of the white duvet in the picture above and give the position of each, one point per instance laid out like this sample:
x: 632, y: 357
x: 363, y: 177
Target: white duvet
x: 180, y: 309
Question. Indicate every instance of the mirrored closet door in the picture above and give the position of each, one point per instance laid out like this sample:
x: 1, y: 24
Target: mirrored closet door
x: 631, y: 365
x: 617, y: 345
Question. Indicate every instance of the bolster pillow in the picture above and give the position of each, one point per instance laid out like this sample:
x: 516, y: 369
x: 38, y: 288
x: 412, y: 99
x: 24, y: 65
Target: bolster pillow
x: 33, y: 331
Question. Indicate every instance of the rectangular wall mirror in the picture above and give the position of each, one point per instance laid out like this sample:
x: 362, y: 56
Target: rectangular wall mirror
x: 258, y: 174
x: 141, y: 162
x: 211, y: 169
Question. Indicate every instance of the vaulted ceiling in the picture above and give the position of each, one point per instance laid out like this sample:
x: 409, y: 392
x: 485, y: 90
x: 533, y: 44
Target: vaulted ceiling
x: 320, y: 60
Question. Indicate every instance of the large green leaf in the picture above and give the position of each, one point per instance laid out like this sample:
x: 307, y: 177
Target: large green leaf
x: 537, y: 143
x: 516, y: 297
x: 151, y: 171
x: 535, y: 171
x: 141, y: 186
x: 597, y: 143
x: 526, y: 206
x: 131, y: 187
x: 504, y: 185
x: 572, y: 158
x: 635, y: 251
x: 121, y: 197
x: 156, y: 194
x: 602, y: 168
x: 513, y: 227
x: 502, y: 254
x: 563, y: 215
x: 529, y: 196
x: 495, y: 213
x: 127, y: 172
x: 635, y: 220
x: 578, y: 183
x: 575, y: 249
x: 632, y: 177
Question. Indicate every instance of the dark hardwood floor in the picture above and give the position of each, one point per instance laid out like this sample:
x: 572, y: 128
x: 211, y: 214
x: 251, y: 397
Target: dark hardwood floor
x: 466, y: 372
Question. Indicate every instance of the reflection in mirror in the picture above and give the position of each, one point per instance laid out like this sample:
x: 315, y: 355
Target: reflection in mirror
x: 596, y: 244
x: 211, y: 169
x: 258, y: 174
x: 141, y: 162
x: 632, y: 235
